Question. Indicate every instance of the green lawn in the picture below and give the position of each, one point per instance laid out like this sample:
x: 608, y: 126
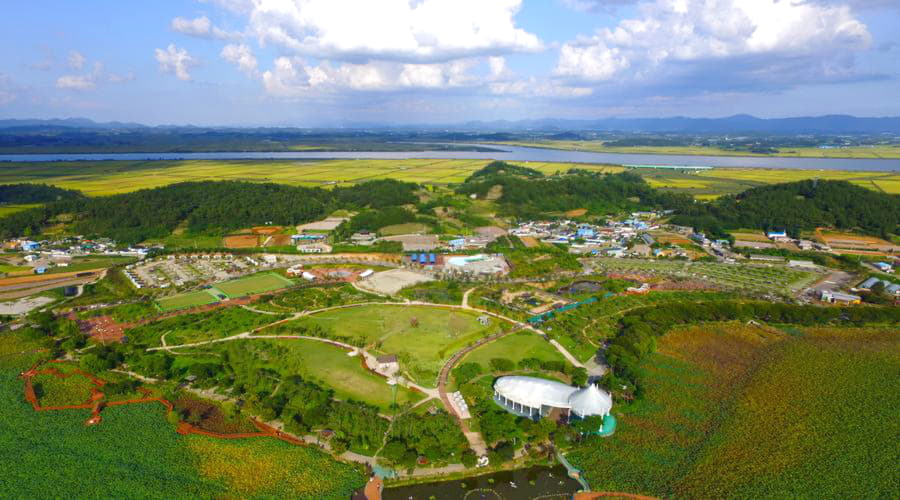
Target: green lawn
x: 335, y: 369
x: 389, y: 329
x: 515, y: 348
x: 186, y: 300
x: 257, y: 283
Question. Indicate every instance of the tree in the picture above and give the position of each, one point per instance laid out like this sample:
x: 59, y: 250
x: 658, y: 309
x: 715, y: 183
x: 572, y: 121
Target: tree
x: 502, y: 365
x: 466, y: 372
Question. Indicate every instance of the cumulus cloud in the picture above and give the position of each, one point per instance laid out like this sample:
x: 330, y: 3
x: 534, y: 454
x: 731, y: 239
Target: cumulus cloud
x: 242, y: 57
x: 89, y: 81
x: 176, y: 61
x: 201, y: 27
x: 76, y: 60
x: 426, y: 31
x: 292, y: 77
x: 763, y: 35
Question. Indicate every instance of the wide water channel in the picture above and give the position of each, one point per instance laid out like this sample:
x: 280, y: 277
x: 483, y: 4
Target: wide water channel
x: 509, y: 153
x: 544, y: 483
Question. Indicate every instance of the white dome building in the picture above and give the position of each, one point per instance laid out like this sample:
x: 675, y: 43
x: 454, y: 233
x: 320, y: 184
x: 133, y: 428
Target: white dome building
x: 535, y: 398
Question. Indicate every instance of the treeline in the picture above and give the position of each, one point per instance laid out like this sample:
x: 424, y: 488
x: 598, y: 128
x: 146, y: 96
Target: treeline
x: 501, y: 168
x: 206, y: 207
x: 640, y: 328
x: 597, y: 192
x: 797, y: 206
x: 35, y: 193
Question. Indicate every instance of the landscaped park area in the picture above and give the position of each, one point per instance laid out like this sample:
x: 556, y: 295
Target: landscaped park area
x: 422, y: 337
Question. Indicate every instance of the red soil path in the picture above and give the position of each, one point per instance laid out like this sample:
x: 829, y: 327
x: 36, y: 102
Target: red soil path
x: 96, y: 404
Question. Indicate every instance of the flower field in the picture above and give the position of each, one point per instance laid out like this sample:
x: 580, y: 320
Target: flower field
x: 740, y: 411
x: 136, y: 453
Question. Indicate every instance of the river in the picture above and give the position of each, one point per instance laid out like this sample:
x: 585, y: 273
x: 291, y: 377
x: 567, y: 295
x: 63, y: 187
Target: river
x: 509, y: 153
x: 543, y: 483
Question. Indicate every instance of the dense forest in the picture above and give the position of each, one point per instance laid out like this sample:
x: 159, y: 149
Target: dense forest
x: 205, y: 207
x: 35, y: 193
x: 796, y: 206
x: 600, y: 193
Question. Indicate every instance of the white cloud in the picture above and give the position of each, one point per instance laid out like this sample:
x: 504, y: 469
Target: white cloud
x: 426, y: 31
x: 291, y: 77
x: 7, y: 94
x: 686, y: 31
x: 201, y: 27
x: 89, y: 81
x: 176, y: 61
x: 242, y: 56
x: 76, y: 60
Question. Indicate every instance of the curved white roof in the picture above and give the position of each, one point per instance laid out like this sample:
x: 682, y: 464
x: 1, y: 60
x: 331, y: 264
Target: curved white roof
x: 534, y: 392
x: 590, y: 401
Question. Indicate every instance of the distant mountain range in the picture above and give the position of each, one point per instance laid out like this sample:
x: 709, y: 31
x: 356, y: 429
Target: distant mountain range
x: 738, y: 124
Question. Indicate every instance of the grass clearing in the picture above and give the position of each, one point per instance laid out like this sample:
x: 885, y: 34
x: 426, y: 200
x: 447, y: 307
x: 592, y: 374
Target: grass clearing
x: 515, y: 348
x: 250, y: 285
x: 422, y: 337
x: 187, y: 300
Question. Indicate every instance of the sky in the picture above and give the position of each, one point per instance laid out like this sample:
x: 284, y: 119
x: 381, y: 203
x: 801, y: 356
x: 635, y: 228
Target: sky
x: 345, y: 62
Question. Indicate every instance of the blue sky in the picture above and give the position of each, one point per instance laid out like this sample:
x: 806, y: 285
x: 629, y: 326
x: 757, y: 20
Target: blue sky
x: 334, y: 62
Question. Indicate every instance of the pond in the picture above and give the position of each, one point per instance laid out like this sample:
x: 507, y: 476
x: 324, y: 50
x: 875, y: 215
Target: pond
x: 546, y: 483
x: 581, y: 287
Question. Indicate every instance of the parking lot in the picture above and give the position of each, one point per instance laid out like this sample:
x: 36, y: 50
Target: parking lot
x: 187, y: 270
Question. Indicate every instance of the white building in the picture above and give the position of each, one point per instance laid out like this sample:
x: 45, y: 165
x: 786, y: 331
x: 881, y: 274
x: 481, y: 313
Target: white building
x: 536, y: 398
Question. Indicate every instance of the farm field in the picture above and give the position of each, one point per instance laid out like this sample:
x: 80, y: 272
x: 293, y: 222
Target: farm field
x: 737, y: 411
x: 421, y: 349
x: 136, y: 453
x: 186, y: 300
x: 876, y: 152
x: 759, y: 279
x: 250, y: 285
x: 11, y: 209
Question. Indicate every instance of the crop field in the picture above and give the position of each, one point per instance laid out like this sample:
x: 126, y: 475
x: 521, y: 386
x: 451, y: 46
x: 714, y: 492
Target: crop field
x: 241, y: 241
x: 515, y: 348
x: 408, y: 228
x: 187, y: 300
x: 757, y: 279
x: 58, y: 391
x: 11, y: 209
x: 422, y: 337
x: 733, y: 411
x: 874, y: 152
x: 136, y: 453
x: 258, y: 283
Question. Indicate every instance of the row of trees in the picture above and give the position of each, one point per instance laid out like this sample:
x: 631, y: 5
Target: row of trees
x: 35, y: 193
x: 206, y: 207
x: 797, y: 206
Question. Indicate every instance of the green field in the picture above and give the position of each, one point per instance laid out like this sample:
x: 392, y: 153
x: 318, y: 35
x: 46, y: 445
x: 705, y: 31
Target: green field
x: 136, y: 453
x: 187, y: 300
x: 735, y: 411
x: 11, y: 209
x: 422, y: 349
x: 333, y: 368
x: 873, y: 152
x: 515, y: 348
x: 250, y: 285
